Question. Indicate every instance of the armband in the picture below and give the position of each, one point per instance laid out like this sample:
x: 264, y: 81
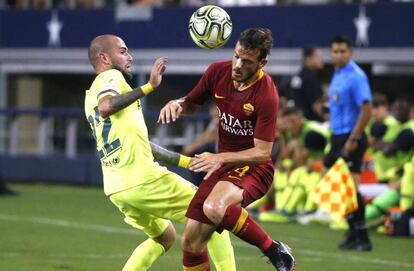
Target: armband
x: 147, y: 88
x: 184, y: 161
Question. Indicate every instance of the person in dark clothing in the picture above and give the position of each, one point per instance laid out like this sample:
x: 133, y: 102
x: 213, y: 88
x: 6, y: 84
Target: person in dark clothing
x: 305, y: 88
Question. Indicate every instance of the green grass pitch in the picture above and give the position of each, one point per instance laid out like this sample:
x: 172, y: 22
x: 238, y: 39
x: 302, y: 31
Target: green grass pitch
x: 58, y: 227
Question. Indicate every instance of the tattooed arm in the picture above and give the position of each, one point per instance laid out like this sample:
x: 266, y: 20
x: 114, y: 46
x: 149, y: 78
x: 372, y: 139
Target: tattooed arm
x: 109, y: 105
x: 169, y: 157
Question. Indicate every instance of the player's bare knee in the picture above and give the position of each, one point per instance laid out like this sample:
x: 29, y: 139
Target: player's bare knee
x: 214, y: 210
x: 167, y: 238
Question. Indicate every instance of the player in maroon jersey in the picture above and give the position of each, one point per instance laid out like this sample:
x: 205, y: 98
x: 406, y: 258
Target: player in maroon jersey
x: 242, y: 171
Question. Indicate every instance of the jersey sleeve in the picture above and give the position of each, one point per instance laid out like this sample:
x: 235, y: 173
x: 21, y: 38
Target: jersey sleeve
x: 265, y: 128
x: 361, y: 90
x: 110, y: 83
x: 200, y: 93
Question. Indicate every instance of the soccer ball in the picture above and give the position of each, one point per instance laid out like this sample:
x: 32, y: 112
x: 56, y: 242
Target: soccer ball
x: 210, y: 27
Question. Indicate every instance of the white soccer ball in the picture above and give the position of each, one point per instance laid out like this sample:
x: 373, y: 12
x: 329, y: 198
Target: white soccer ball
x: 210, y: 27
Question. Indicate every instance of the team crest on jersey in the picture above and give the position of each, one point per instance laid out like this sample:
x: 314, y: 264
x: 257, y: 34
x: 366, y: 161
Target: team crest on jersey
x: 248, y: 109
x: 110, y: 84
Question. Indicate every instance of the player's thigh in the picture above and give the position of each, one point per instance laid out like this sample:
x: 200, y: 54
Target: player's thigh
x: 152, y: 226
x: 167, y: 197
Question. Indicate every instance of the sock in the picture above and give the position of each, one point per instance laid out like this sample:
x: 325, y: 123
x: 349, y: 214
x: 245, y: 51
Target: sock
x: 296, y: 200
x: 281, y: 184
x: 359, y: 214
x: 297, y: 194
x: 144, y: 256
x: 237, y: 220
x: 407, y: 186
x: 221, y: 252
x: 381, y: 204
x: 358, y: 219
x: 372, y: 211
x: 196, y: 262
x: 361, y: 230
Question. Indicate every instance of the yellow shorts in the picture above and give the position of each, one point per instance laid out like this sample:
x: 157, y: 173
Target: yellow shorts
x: 151, y: 206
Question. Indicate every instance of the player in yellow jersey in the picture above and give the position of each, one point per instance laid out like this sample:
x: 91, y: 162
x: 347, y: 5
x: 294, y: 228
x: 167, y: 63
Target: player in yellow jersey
x: 147, y: 194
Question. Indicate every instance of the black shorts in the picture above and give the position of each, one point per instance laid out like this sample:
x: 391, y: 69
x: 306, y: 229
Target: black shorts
x: 354, y: 159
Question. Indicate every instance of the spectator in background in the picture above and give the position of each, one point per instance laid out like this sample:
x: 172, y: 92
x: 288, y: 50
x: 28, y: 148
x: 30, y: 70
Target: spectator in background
x: 383, y: 127
x: 382, y: 130
x: 403, y: 141
x: 149, y: 3
x: 306, y: 145
x: 244, y: 3
x: 305, y: 88
x: 350, y: 109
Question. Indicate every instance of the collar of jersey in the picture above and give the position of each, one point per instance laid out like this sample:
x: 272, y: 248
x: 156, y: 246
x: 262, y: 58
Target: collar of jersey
x: 261, y: 74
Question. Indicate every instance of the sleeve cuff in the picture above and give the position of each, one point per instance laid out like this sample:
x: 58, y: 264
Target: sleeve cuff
x: 147, y: 88
x: 184, y: 161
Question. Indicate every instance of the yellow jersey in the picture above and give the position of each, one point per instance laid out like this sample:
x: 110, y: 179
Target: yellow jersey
x: 121, y: 139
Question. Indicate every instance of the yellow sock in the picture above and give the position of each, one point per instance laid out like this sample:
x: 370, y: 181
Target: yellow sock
x: 282, y: 189
x: 144, y: 256
x: 221, y: 252
x: 407, y: 186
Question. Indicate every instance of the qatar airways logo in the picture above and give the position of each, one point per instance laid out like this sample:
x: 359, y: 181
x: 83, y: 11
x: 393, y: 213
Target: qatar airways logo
x: 235, y: 126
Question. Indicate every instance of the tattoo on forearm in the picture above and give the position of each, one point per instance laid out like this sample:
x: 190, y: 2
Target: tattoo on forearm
x: 164, y: 155
x: 121, y: 101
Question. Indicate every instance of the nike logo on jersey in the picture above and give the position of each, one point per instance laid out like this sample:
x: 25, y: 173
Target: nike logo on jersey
x: 218, y: 96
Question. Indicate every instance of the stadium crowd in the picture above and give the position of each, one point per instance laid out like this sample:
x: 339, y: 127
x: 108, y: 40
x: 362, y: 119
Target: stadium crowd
x: 93, y: 4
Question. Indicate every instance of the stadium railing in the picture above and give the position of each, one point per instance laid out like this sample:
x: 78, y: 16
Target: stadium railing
x: 56, y: 144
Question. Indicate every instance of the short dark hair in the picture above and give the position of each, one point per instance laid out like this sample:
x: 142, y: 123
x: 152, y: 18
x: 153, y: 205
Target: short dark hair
x: 257, y: 38
x: 379, y: 99
x: 308, y: 50
x: 342, y: 39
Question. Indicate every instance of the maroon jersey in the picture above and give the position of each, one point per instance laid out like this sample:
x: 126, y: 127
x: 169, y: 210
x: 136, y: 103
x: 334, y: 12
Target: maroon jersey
x: 244, y: 115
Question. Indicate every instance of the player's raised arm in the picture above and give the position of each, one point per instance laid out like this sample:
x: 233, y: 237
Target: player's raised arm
x: 174, y: 108
x: 109, y: 105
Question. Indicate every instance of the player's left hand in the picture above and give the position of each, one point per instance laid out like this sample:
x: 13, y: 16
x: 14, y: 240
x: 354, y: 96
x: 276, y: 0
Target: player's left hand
x: 157, y: 71
x: 206, y: 162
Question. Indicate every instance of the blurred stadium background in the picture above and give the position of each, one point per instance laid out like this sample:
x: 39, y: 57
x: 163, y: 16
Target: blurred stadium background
x: 45, y: 138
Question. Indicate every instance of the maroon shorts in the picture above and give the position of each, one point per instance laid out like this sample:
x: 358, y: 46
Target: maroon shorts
x: 254, y: 180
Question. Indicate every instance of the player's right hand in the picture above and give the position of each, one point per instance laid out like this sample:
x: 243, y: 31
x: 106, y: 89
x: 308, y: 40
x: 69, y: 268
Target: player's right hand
x: 170, y: 112
x: 157, y: 71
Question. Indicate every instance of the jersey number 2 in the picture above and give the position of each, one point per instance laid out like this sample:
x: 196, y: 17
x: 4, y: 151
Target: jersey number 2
x: 108, y: 147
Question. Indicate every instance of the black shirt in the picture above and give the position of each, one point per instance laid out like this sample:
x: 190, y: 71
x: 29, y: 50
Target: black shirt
x: 305, y: 89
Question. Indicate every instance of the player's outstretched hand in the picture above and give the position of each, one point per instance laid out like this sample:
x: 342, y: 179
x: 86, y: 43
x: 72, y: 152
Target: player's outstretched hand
x: 170, y: 112
x: 206, y: 162
x: 157, y: 71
